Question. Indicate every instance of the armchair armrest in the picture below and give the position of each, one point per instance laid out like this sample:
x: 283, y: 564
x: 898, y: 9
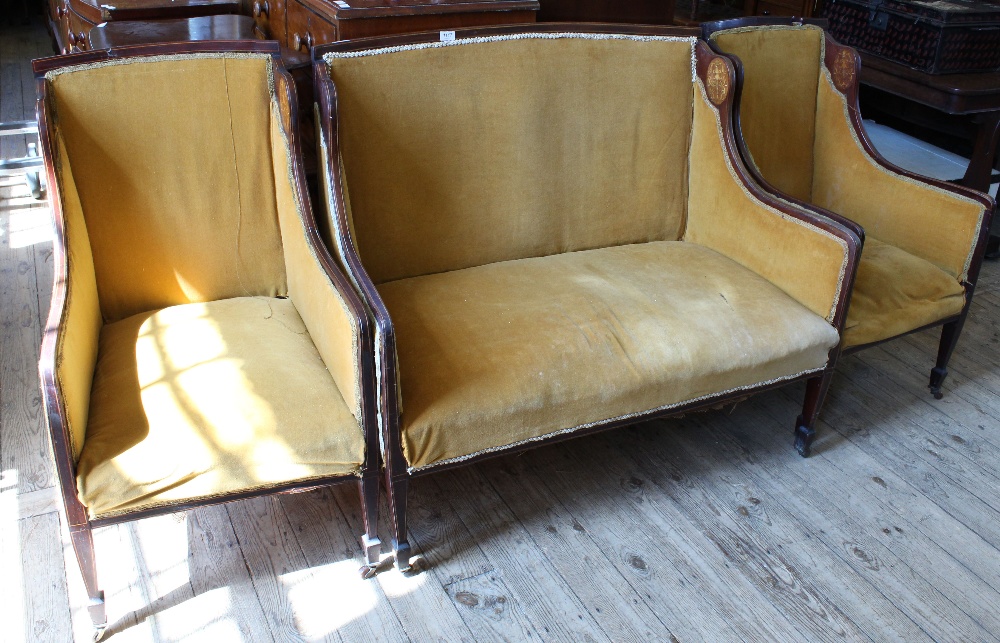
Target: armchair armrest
x: 936, y: 221
x: 333, y: 314
x: 339, y: 237
x: 70, y: 341
x: 810, y: 257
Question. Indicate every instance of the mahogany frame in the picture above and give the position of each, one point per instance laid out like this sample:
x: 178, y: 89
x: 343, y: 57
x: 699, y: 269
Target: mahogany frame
x: 80, y: 524
x: 951, y: 326
x: 396, y: 471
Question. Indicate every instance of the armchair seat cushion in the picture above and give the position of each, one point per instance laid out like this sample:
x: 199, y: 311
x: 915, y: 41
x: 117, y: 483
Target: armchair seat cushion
x: 196, y: 400
x: 508, y: 352
x: 896, y: 292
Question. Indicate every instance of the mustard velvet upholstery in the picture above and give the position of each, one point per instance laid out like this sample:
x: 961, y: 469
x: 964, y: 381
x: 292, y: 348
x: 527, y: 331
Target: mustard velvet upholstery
x: 779, y: 96
x: 510, y: 351
x: 520, y: 204
x: 797, y: 129
x: 937, y: 226
x: 896, y: 292
x: 465, y: 155
x: 175, y: 180
x: 198, y: 400
x: 80, y: 326
x: 801, y: 259
x: 331, y: 325
x: 225, y: 391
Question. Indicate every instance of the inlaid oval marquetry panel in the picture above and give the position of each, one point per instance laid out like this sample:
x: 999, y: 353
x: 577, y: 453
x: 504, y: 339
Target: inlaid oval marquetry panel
x: 843, y: 69
x: 717, y: 81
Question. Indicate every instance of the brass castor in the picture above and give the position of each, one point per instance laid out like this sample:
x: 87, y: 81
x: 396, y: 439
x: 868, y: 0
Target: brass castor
x: 368, y: 571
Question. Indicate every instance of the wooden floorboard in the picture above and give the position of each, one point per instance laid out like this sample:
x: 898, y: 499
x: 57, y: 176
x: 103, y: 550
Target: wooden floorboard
x: 708, y: 527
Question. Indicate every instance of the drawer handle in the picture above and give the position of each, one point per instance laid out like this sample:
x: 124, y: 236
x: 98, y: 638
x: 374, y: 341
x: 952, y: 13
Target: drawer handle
x: 71, y: 38
x: 298, y: 41
x: 60, y: 11
x: 765, y: 12
x: 261, y: 7
x: 81, y: 40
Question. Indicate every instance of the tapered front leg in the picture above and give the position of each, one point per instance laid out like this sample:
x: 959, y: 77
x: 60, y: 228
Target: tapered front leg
x: 949, y: 338
x: 805, y: 425
x: 396, y: 488
x: 368, y: 488
x: 83, y: 544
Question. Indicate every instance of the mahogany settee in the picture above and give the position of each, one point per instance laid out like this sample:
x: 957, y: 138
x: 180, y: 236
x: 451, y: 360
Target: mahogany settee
x: 554, y: 233
x: 201, y: 346
x: 800, y: 132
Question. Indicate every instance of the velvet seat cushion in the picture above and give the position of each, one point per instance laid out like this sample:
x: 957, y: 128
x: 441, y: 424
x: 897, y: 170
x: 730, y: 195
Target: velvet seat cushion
x: 201, y: 399
x: 896, y: 292
x: 498, y: 354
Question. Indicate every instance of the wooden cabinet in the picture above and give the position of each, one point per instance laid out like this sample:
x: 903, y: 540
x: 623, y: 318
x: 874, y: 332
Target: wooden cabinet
x: 314, y: 22
x: 305, y: 26
x: 799, y: 8
x: 651, y: 12
x: 269, y: 17
x: 70, y: 21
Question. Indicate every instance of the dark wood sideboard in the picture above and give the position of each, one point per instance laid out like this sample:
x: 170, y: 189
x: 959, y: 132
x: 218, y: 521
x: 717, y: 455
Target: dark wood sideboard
x: 70, y: 21
x: 645, y: 12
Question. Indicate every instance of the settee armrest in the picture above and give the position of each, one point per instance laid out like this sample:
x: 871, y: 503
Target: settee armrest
x: 332, y: 313
x: 942, y: 223
x: 810, y: 257
x: 337, y: 231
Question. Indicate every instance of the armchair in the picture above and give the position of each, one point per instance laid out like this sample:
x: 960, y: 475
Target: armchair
x: 201, y: 346
x: 555, y: 236
x: 800, y: 134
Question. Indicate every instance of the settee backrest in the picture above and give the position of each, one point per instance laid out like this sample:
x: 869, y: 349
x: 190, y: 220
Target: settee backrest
x: 504, y: 147
x: 175, y: 181
x: 781, y: 67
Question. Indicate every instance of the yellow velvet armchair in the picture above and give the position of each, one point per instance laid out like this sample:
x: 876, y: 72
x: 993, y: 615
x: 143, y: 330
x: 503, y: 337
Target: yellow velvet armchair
x: 201, y: 346
x: 800, y: 132
x: 555, y: 236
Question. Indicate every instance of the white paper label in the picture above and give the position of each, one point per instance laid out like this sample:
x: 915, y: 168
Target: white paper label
x: 447, y: 36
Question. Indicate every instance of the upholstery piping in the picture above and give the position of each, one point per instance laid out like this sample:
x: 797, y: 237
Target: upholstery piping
x: 779, y: 213
x: 49, y: 75
x: 627, y: 416
x: 519, y: 36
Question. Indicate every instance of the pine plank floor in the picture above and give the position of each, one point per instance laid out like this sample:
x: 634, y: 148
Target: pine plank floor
x: 708, y: 527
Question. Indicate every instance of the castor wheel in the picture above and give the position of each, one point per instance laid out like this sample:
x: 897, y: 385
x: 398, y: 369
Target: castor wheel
x: 937, y: 382
x: 368, y: 571
x: 99, y: 632
x: 803, y: 440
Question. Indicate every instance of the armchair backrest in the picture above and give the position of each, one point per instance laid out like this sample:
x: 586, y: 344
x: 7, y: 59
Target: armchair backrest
x: 503, y: 147
x: 781, y: 67
x: 175, y: 182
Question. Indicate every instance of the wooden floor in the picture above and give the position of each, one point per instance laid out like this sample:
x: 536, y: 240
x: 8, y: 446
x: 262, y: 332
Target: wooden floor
x: 705, y: 528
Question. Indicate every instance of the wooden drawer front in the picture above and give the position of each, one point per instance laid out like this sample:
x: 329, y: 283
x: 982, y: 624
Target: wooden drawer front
x: 775, y: 9
x: 365, y: 27
x: 79, y: 32
x: 269, y: 16
x: 305, y: 29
